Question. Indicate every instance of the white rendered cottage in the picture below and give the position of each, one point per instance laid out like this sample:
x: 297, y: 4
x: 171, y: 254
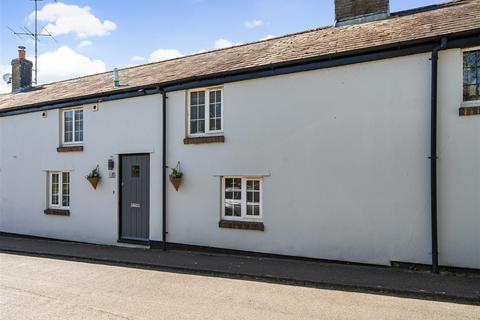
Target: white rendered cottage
x: 357, y: 142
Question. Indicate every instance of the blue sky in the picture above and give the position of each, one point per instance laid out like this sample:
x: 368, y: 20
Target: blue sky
x: 97, y: 35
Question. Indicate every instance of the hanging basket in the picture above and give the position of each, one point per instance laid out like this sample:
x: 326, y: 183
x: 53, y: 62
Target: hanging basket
x: 176, y: 176
x: 176, y: 182
x: 94, y: 181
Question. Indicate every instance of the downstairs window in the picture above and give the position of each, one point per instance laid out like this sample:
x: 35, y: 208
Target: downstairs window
x: 59, y: 190
x: 242, y: 198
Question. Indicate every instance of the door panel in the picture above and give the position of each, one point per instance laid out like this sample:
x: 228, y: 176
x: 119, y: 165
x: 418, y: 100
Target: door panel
x: 135, y: 197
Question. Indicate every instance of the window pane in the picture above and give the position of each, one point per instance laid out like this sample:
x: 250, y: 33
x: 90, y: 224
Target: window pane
x: 253, y: 198
x: 78, y: 125
x: 193, y: 127
x: 65, y: 189
x: 215, y: 107
x: 233, y: 197
x: 194, y: 98
x: 471, y: 75
x: 201, y: 126
x: 194, y: 113
x: 55, y: 188
x: 237, y: 211
x: 135, y: 171
x: 68, y: 126
x: 197, y: 112
x: 228, y: 209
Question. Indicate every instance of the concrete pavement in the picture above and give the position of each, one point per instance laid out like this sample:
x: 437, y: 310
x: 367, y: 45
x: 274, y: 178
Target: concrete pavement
x: 310, y: 273
x: 42, y: 288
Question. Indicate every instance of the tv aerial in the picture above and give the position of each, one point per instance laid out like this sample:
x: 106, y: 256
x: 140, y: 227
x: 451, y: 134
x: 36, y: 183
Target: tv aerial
x: 34, y: 35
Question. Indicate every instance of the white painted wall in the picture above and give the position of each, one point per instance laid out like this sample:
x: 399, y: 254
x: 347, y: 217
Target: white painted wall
x: 29, y: 145
x: 344, y: 150
x: 458, y: 170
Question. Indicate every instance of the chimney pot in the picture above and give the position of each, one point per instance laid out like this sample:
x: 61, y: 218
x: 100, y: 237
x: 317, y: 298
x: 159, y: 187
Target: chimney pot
x: 21, y: 52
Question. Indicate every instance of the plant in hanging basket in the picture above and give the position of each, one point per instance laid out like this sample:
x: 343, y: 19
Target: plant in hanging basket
x: 94, y: 177
x: 176, y: 177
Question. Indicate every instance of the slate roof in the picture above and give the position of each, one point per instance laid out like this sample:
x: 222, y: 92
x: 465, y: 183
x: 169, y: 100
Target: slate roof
x: 414, y: 25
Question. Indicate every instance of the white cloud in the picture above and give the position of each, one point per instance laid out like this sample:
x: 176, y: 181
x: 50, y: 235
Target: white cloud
x: 60, y: 64
x: 253, y: 24
x: 62, y: 19
x: 164, y: 54
x: 223, y: 43
x: 65, y: 63
x: 138, y: 58
x: 85, y: 43
x: 270, y: 36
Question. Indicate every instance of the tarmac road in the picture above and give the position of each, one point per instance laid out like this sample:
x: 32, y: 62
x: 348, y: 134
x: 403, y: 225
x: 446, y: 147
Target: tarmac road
x: 41, y: 288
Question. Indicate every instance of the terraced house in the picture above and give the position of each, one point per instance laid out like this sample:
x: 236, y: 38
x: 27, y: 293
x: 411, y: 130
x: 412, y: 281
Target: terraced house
x: 356, y: 142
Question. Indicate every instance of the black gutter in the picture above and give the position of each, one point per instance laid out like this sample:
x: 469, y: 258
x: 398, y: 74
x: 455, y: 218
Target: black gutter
x: 459, y: 40
x: 164, y: 169
x: 139, y: 92
x: 433, y: 153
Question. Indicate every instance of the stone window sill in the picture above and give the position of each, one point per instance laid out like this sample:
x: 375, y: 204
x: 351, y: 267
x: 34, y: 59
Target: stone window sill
x: 203, y: 140
x: 241, y: 225
x: 469, y: 111
x: 57, y: 212
x: 70, y: 149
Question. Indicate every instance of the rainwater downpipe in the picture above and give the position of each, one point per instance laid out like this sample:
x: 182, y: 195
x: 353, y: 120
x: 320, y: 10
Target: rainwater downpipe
x: 433, y: 153
x: 164, y: 169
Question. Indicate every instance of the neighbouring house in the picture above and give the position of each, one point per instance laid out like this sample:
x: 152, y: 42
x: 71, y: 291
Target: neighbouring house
x: 357, y: 142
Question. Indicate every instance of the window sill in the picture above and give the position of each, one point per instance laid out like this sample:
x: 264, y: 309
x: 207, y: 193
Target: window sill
x: 471, y: 103
x: 70, y: 149
x: 469, y: 111
x: 241, y: 225
x: 57, y: 212
x: 203, y: 140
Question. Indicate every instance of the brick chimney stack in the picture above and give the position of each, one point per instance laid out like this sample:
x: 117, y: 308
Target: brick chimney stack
x: 348, y: 12
x: 21, y: 71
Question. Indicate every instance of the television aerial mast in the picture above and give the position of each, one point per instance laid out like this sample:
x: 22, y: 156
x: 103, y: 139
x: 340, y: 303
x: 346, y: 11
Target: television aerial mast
x: 34, y: 36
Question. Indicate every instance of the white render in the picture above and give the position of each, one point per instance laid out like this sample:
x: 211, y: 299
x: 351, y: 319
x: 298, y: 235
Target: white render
x: 343, y: 153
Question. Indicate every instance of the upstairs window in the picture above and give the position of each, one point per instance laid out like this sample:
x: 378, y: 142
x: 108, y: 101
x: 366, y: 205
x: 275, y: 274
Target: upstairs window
x: 242, y: 198
x: 72, y: 126
x: 471, y: 75
x: 205, y: 111
x: 59, y: 196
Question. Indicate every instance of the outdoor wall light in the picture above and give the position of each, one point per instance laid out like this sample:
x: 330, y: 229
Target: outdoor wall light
x: 111, y: 164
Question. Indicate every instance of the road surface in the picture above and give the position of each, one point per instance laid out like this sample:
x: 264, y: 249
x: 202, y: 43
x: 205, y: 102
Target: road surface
x: 41, y: 288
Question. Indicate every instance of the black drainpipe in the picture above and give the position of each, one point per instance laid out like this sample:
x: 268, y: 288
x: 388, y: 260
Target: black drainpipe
x: 433, y: 153
x: 164, y: 170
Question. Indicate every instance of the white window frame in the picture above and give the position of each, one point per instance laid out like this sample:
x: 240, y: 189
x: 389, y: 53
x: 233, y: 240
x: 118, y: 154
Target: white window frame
x: 73, y: 142
x: 207, y: 112
x: 243, y: 216
x: 468, y: 103
x: 60, y: 190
